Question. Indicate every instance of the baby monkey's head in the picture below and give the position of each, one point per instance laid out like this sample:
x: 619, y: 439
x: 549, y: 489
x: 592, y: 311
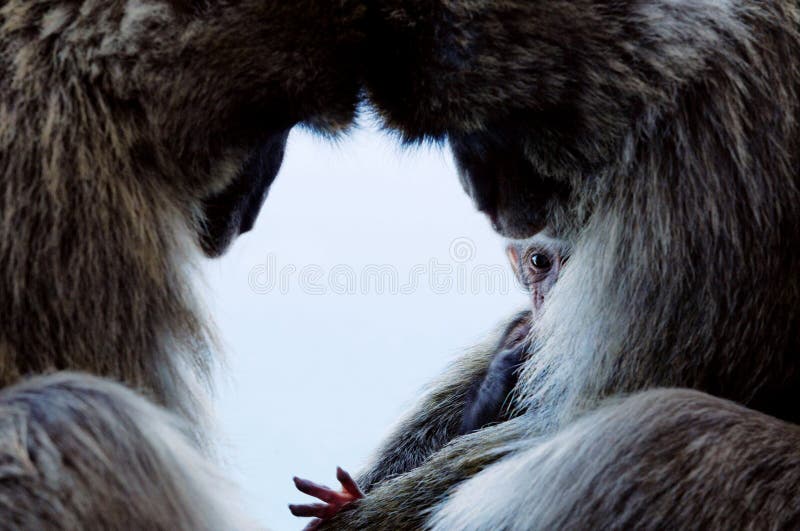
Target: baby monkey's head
x: 537, y: 263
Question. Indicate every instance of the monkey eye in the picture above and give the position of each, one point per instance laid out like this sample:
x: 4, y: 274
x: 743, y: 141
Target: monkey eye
x: 540, y: 261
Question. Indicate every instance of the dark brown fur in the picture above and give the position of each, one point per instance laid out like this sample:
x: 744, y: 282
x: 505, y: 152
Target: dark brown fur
x: 661, y: 137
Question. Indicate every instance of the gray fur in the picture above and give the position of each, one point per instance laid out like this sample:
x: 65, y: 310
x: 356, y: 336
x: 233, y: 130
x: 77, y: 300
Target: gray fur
x: 78, y: 452
x: 659, y: 459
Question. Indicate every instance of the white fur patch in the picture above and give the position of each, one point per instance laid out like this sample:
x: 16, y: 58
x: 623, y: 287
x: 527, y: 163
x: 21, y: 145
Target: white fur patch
x: 55, y: 21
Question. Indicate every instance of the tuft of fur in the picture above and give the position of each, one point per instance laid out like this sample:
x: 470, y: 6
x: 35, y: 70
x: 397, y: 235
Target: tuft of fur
x: 78, y: 452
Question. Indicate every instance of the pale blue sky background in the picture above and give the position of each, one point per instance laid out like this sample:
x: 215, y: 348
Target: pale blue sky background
x: 320, y: 367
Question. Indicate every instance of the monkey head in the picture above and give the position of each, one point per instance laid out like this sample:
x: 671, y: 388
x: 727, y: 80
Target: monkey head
x: 537, y: 263
x: 473, y: 74
x: 269, y: 66
x: 503, y: 183
x: 134, y: 133
x: 189, y: 100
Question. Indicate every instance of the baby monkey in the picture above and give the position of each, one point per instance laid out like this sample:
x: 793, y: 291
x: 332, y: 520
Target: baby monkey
x: 537, y: 263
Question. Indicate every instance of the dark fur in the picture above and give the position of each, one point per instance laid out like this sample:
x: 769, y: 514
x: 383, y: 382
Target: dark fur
x: 661, y: 138
x: 489, y: 398
x: 132, y: 132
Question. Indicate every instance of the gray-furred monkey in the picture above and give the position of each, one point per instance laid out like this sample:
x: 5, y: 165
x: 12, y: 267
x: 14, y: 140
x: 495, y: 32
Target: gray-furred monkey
x: 661, y: 138
x: 135, y: 134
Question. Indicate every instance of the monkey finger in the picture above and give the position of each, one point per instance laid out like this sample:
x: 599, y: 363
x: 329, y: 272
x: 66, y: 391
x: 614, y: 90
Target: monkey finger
x: 321, y: 492
x: 349, y: 484
x: 317, y: 510
x: 313, y: 525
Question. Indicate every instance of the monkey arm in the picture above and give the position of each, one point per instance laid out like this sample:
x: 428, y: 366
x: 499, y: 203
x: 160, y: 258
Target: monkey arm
x: 437, y: 418
x: 655, y: 459
x: 667, y: 458
x: 404, y: 501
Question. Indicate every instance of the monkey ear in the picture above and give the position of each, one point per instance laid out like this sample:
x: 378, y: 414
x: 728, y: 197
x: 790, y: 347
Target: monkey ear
x: 512, y: 252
